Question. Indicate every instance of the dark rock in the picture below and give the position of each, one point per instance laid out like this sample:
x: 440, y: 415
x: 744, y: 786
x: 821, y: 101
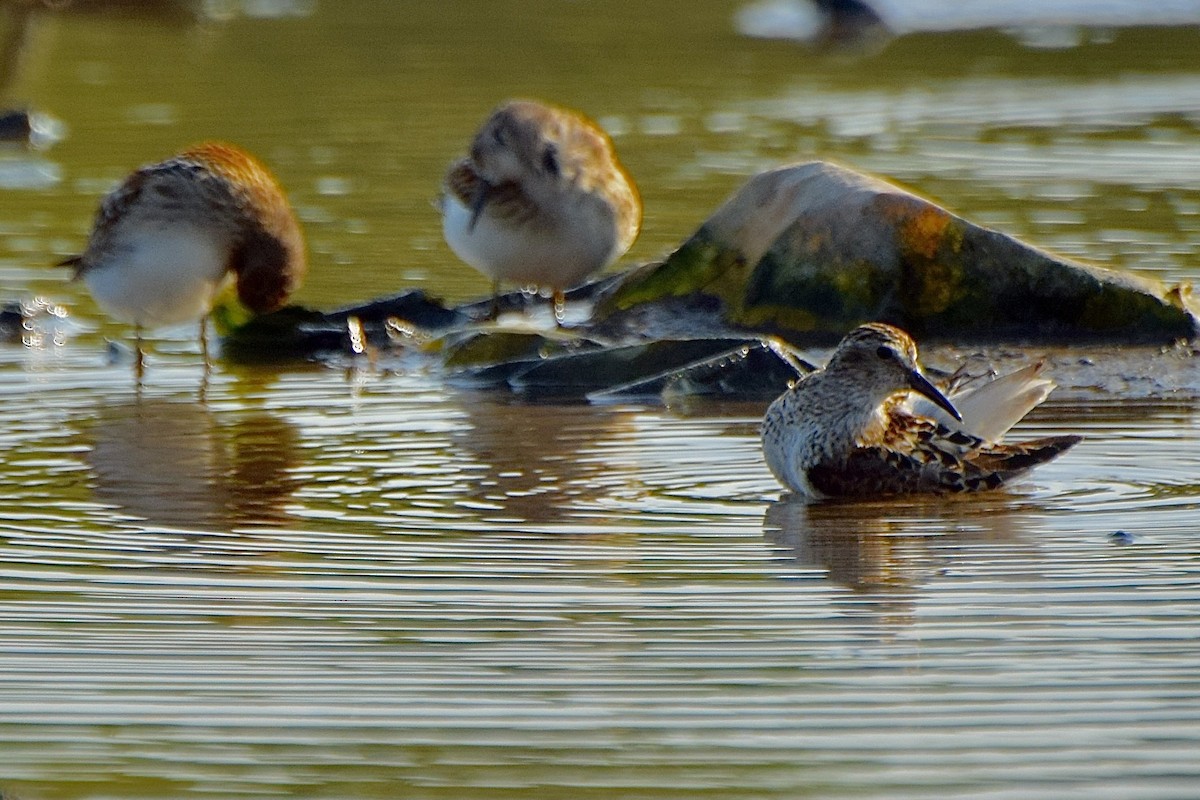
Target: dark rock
x: 413, y: 307
x: 578, y: 374
x: 750, y: 371
x: 15, y: 126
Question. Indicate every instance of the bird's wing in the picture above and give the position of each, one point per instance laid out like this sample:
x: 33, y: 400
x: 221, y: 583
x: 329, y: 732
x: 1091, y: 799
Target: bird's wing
x: 112, y: 207
x: 875, y: 471
x: 924, y: 456
x: 990, y: 407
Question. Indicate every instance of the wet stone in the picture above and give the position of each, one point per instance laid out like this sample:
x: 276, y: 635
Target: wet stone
x: 580, y: 374
x: 751, y: 371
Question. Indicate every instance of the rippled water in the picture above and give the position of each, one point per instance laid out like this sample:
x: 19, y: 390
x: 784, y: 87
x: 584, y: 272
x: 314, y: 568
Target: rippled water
x: 356, y: 580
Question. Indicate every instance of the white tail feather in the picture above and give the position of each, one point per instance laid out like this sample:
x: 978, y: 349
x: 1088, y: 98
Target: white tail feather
x: 991, y: 408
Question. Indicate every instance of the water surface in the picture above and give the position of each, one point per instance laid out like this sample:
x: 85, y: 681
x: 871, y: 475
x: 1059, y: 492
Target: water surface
x: 354, y: 580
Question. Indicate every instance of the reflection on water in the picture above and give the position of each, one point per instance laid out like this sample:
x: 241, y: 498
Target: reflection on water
x: 176, y: 465
x: 888, y: 553
x: 532, y: 463
x: 889, y: 547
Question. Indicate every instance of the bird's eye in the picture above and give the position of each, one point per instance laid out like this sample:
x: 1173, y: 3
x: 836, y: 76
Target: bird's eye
x: 550, y: 161
x: 884, y: 352
x: 498, y: 136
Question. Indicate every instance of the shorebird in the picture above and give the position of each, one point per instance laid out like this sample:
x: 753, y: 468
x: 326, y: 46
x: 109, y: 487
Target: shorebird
x: 854, y: 428
x: 168, y: 238
x: 540, y: 199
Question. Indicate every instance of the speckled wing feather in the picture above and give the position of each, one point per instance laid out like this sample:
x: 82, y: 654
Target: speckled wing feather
x: 164, y: 181
x: 113, y: 206
x: 230, y: 191
x: 922, y: 456
x: 161, y: 179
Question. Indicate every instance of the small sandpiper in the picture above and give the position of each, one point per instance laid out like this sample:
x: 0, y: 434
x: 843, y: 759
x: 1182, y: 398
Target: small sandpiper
x: 853, y: 429
x: 540, y: 200
x: 167, y: 239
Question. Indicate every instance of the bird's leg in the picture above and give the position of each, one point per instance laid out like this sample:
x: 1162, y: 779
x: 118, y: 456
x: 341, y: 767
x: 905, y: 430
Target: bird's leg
x: 204, y: 343
x: 494, y: 310
x: 560, y: 307
x: 139, y: 357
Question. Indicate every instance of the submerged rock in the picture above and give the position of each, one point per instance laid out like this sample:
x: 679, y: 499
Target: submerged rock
x: 12, y: 319
x: 15, y: 126
x: 749, y: 371
x: 809, y: 251
x: 30, y: 321
x: 590, y: 372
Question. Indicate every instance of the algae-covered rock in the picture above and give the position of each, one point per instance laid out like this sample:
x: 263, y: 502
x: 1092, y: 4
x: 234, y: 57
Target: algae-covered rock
x: 811, y: 250
x: 296, y: 332
x: 292, y: 333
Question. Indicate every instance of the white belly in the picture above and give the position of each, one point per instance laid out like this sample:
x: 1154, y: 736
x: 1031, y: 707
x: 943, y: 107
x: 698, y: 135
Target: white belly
x: 160, y: 277
x: 554, y: 256
x: 783, y: 447
x: 785, y: 466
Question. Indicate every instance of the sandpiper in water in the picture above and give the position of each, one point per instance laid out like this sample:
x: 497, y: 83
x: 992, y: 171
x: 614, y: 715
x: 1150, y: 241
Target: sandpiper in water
x: 853, y: 430
x: 540, y: 200
x: 167, y: 239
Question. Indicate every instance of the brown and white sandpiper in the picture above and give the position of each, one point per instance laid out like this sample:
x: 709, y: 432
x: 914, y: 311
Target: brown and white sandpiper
x: 853, y: 430
x: 540, y: 200
x: 167, y: 239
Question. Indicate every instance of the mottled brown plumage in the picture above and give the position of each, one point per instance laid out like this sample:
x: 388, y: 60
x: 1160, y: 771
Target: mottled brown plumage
x: 168, y: 237
x: 850, y: 430
x: 540, y: 199
x: 269, y: 256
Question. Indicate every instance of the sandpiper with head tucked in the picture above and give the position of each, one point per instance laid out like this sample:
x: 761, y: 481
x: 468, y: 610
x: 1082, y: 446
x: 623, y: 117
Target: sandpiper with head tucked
x: 853, y: 429
x: 167, y: 239
x: 540, y: 199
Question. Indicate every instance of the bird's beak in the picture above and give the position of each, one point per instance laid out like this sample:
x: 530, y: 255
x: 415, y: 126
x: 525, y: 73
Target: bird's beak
x: 921, y: 385
x: 485, y: 190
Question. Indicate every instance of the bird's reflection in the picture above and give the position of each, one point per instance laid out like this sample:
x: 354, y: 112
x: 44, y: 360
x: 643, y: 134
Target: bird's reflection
x: 176, y: 465
x: 530, y: 455
x: 885, y: 552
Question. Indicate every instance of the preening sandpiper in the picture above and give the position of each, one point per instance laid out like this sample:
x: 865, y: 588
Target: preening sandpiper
x: 166, y: 240
x: 540, y: 200
x: 853, y: 429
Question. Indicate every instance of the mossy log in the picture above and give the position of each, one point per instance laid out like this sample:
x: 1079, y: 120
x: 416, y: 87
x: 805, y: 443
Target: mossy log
x: 811, y: 250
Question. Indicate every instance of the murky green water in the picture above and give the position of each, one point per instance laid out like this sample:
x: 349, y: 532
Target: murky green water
x: 341, y: 580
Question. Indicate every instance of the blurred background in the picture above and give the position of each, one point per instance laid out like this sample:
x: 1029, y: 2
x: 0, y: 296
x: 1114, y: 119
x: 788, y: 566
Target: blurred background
x: 1073, y: 124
